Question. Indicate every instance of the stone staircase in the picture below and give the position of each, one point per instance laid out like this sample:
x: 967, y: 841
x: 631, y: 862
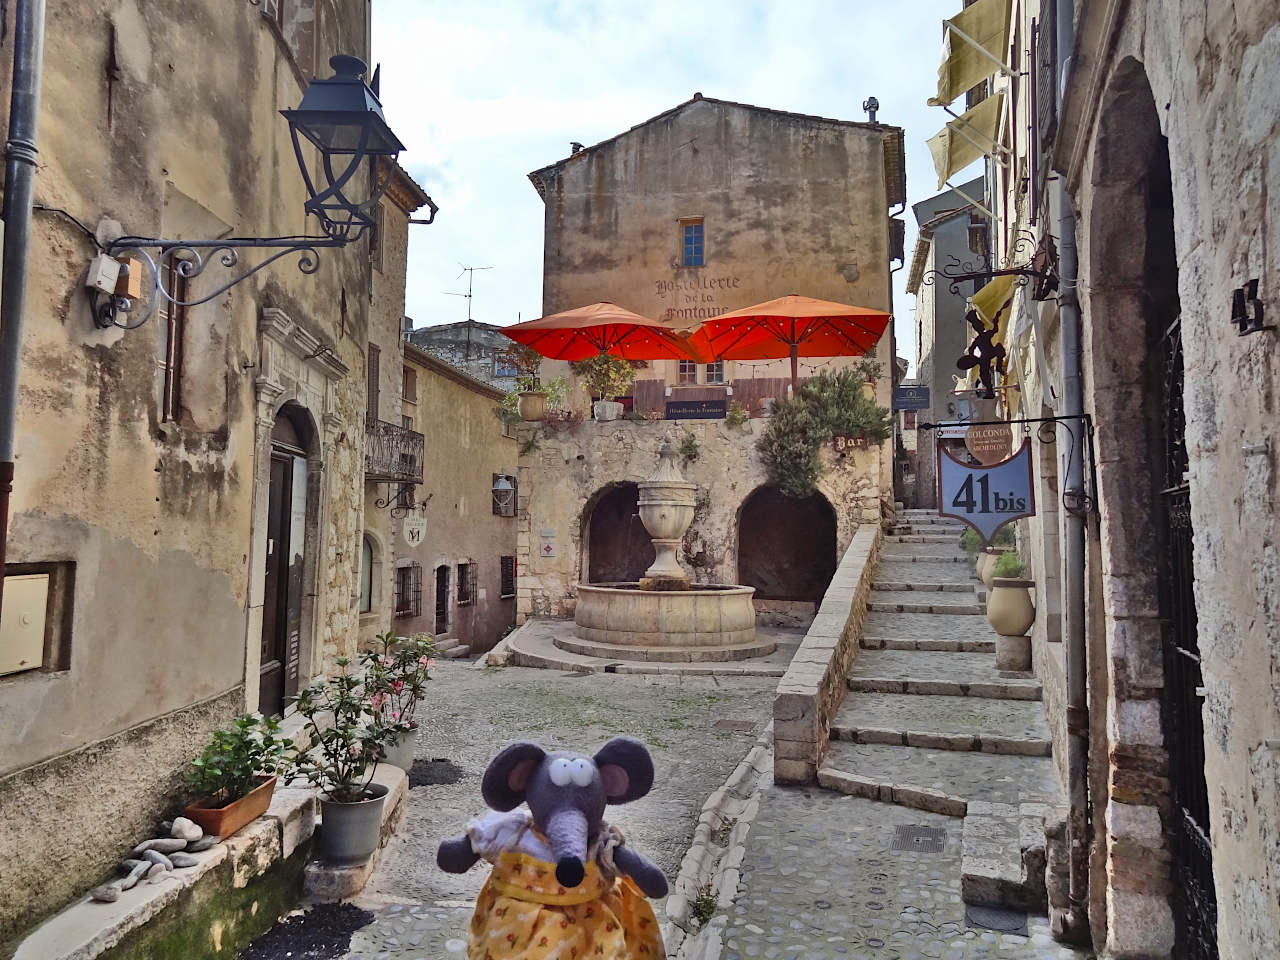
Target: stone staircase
x: 451, y: 648
x: 929, y: 723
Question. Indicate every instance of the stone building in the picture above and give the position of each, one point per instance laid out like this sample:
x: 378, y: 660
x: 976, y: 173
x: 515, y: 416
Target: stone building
x: 394, y: 450
x: 948, y: 225
x: 190, y: 487
x: 1147, y: 190
x: 477, y: 349
x: 455, y: 553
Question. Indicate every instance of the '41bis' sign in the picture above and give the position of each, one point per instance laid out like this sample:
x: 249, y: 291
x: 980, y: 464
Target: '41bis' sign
x: 986, y: 498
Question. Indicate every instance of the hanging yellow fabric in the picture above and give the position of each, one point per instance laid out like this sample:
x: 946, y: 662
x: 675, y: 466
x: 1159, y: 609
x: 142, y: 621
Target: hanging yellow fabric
x: 965, y: 139
x: 975, y: 43
x: 994, y: 298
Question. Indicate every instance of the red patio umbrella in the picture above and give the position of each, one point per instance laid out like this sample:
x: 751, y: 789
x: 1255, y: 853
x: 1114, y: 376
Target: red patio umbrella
x: 601, y: 328
x: 791, y: 326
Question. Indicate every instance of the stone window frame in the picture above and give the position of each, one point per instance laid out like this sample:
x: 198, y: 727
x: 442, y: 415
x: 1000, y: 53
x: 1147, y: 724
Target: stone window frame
x: 408, y: 590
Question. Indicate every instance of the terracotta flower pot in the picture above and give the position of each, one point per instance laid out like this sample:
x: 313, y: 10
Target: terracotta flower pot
x: 532, y: 405
x: 223, y: 821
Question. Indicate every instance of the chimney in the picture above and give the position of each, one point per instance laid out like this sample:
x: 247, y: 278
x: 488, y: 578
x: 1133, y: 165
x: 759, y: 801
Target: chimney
x: 871, y: 105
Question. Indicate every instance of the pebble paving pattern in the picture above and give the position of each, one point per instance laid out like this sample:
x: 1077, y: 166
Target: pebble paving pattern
x: 412, y: 932
x: 974, y: 716
x: 820, y: 882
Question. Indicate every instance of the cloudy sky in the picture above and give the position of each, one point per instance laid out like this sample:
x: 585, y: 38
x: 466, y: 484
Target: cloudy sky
x: 484, y: 91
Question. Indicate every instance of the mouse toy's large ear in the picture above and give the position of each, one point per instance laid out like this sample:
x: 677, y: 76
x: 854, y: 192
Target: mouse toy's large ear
x: 508, y: 774
x: 625, y: 768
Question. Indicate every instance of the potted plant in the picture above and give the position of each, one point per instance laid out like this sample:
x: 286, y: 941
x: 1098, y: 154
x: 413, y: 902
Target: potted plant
x: 396, y: 673
x: 235, y: 774
x: 347, y: 742
x: 1011, y: 612
x: 531, y: 399
x: 606, y: 377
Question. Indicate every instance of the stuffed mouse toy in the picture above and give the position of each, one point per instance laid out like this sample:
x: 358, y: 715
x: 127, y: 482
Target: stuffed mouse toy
x: 564, y: 885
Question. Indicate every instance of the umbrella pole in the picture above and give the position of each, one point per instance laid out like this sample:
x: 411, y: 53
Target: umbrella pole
x: 795, y: 365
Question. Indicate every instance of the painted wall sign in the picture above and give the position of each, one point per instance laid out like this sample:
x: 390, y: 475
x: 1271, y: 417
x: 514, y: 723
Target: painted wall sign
x: 986, y: 497
x: 547, y: 547
x: 697, y: 409
x: 911, y: 398
x: 415, y: 529
x: 842, y: 443
x: 989, y: 442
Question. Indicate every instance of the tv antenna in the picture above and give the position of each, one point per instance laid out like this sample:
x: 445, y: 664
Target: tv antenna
x: 471, y: 275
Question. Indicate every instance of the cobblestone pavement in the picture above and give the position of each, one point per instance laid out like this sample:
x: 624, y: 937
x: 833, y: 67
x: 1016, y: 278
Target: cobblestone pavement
x: 821, y: 881
x: 698, y: 729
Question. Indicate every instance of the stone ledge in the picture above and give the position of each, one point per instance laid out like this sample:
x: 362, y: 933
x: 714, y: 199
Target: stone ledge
x: 813, y: 686
x: 326, y: 884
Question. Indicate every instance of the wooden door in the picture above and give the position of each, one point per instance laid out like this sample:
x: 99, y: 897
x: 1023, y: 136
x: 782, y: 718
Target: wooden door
x: 275, y: 603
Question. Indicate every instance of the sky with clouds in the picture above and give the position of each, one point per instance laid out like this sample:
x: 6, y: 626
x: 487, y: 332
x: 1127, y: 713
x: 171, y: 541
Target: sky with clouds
x: 484, y: 91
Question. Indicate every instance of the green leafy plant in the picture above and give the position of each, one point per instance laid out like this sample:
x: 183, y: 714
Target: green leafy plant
x: 347, y: 741
x: 970, y: 542
x: 703, y: 906
x: 234, y: 760
x: 827, y: 405
x: 396, y: 671
x: 736, y: 416
x: 635, y: 416
x: 1009, y: 566
x: 1004, y: 537
x: 689, y: 447
x: 605, y: 375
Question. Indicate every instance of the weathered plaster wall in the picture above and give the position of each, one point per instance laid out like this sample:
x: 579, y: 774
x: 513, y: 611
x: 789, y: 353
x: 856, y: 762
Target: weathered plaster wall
x: 465, y: 447
x: 566, y: 466
x: 1211, y: 72
x: 158, y: 517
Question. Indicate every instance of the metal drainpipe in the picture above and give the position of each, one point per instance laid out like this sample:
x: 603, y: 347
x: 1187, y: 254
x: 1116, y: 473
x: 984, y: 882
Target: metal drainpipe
x: 19, y: 188
x: 1076, y: 923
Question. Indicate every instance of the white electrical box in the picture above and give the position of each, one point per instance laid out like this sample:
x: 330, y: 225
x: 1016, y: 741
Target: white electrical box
x: 26, y: 598
x: 104, y: 274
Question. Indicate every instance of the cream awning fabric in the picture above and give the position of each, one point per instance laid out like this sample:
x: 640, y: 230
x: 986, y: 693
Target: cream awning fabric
x: 974, y: 45
x: 966, y: 138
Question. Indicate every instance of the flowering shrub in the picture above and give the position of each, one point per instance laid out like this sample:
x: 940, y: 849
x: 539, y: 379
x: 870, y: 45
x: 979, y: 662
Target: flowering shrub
x: 343, y: 755
x: 396, y: 671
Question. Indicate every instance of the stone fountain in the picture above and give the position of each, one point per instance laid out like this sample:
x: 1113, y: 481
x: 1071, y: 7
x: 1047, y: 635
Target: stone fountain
x: 664, y: 617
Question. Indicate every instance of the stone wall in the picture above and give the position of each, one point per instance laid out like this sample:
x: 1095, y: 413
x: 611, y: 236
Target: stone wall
x: 565, y: 467
x: 812, y: 689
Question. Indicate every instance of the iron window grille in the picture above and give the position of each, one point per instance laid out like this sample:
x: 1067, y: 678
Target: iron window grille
x: 508, y: 567
x: 409, y: 591
x: 466, y: 584
x: 692, y: 247
x: 175, y: 328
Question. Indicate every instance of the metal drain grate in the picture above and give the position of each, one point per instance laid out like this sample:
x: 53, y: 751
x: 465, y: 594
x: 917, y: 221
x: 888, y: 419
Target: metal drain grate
x: 994, y: 918
x: 737, y: 726
x: 921, y: 839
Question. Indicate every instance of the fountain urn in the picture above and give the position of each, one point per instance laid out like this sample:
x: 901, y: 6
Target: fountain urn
x: 666, y: 504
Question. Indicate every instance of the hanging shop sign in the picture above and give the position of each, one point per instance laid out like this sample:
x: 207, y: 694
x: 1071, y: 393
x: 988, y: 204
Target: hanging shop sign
x: 911, y: 398
x: 989, y: 496
x: 415, y: 528
x: 989, y: 442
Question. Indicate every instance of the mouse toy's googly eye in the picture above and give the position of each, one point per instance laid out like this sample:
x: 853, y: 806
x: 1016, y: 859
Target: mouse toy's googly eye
x: 561, y: 772
x: 582, y: 772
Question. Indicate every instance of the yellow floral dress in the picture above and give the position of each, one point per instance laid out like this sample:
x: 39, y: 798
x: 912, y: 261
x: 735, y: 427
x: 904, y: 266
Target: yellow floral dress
x: 523, y: 913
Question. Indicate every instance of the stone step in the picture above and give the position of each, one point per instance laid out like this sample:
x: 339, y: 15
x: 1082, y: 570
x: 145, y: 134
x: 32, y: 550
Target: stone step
x: 923, y: 538
x: 973, y: 724
x: 926, y: 626
x: 954, y: 586
x: 451, y: 648
x: 895, y: 557
x: 1002, y: 855
x: 937, y: 646
x: 944, y: 674
x: 940, y: 781
x: 907, y: 601
x: 921, y: 573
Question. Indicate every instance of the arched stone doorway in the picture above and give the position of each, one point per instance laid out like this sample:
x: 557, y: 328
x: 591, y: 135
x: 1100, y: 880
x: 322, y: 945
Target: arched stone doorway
x: 786, y: 546
x: 1134, y: 338
x: 288, y: 548
x: 618, y: 546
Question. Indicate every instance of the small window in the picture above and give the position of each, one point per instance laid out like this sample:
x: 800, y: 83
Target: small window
x: 508, y: 429
x: 409, y: 591
x: 714, y: 372
x: 508, y: 565
x: 466, y: 584
x: 504, y: 365
x: 688, y: 372
x: 409, y: 385
x: 371, y: 385
x: 173, y: 326
x: 406, y: 421
x: 366, y: 576
x: 691, y: 240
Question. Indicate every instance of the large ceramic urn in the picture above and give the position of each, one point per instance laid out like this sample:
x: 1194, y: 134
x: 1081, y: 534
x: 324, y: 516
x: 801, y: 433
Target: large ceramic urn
x: 666, y: 509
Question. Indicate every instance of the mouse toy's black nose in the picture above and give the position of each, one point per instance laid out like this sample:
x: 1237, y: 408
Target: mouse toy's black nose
x: 569, y: 871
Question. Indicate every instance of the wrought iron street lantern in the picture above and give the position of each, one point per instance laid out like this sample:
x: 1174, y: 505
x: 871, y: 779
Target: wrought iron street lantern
x: 503, y: 491
x: 341, y: 118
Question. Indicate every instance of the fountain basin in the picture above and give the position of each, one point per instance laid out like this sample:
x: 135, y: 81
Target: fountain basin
x: 711, y: 622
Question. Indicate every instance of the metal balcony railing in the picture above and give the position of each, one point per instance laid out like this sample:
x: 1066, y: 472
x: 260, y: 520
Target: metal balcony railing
x: 392, y: 453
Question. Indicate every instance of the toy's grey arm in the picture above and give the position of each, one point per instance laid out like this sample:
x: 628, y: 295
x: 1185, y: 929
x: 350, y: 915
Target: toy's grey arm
x: 651, y: 881
x: 456, y: 856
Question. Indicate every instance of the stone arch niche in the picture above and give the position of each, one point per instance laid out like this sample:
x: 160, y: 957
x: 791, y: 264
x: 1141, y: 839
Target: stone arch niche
x: 786, y: 547
x: 1129, y: 267
x: 617, y: 548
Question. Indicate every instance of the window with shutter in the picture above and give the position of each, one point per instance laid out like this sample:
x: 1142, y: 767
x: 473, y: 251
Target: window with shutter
x: 508, y: 565
x: 371, y: 409
x: 1044, y: 105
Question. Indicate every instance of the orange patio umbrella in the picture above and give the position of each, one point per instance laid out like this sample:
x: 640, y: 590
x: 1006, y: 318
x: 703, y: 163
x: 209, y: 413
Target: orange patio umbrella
x: 791, y: 326
x: 601, y: 328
